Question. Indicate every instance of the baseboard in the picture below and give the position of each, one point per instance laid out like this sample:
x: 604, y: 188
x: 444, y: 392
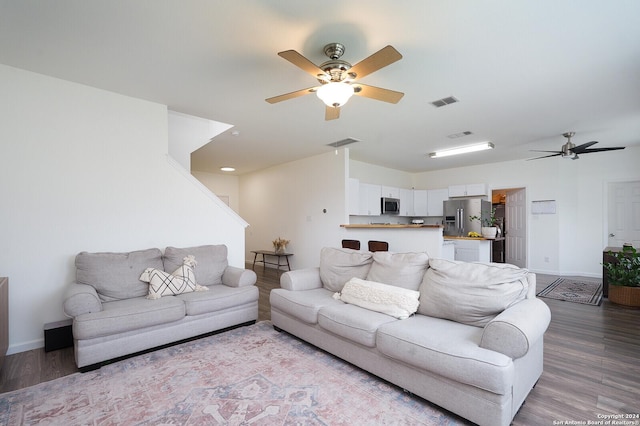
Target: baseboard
x: 25, y: 346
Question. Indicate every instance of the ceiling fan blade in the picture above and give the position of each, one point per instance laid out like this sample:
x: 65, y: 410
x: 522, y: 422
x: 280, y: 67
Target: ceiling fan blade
x: 331, y: 113
x: 587, y: 151
x: 581, y: 148
x: 380, y: 59
x: 546, y: 156
x: 537, y: 150
x: 377, y: 93
x: 301, y: 62
x: 291, y: 95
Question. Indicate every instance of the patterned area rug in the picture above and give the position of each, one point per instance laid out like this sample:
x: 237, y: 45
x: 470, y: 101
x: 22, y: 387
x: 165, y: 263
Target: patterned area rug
x: 250, y: 375
x: 574, y: 291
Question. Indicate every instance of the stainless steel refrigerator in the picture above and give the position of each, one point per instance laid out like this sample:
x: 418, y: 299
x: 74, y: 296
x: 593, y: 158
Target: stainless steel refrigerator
x: 457, y: 212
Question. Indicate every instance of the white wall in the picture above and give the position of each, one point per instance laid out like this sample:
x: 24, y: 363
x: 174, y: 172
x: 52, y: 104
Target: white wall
x: 574, y: 237
x: 222, y: 186
x: 85, y: 169
x: 378, y: 175
x: 288, y: 201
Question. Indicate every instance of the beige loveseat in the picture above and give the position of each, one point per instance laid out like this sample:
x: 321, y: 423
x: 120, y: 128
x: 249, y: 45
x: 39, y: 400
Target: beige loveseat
x: 115, y: 313
x: 474, y: 346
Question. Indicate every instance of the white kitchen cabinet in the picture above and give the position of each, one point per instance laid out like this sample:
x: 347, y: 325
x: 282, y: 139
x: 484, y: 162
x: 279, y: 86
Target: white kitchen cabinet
x: 469, y: 190
x: 420, y: 202
x: 369, y: 199
x: 390, y: 191
x: 435, y: 201
x: 406, y: 202
x: 472, y: 250
x: 354, y: 196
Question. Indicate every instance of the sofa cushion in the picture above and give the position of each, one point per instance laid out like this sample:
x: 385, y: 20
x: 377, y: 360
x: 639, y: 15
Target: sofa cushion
x: 120, y: 316
x: 212, y: 261
x: 218, y: 298
x: 352, y: 322
x: 448, y: 349
x: 395, y: 301
x: 338, y: 265
x: 303, y: 305
x: 400, y: 269
x: 470, y: 293
x: 115, y: 276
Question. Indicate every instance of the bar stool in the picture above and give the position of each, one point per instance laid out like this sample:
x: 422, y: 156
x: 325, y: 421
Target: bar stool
x: 351, y: 244
x: 378, y: 246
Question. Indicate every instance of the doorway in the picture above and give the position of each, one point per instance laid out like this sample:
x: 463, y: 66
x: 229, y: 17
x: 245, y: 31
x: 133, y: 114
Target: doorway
x: 511, y: 209
x: 623, y: 224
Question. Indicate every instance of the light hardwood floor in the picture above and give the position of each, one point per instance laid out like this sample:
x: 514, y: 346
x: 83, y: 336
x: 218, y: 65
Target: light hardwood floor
x: 591, y: 364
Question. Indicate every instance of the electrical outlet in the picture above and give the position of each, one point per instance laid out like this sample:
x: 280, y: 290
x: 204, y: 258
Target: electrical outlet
x: 546, y: 260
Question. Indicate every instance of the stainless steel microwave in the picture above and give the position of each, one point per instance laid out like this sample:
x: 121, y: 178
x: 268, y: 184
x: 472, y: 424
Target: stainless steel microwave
x: 390, y: 205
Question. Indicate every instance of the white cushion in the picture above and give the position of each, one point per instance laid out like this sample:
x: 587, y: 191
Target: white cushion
x: 387, y: 299
x: 470, y: 293
x: 400, y: 269
x: 182, y: 280
x: 338, y: 265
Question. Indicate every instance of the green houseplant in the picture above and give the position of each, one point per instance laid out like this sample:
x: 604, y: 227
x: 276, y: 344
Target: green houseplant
x: 623, y: 274
x: 488, y: 224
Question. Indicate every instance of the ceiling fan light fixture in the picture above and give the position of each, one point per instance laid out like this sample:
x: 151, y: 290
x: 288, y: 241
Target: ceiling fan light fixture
x: 462, y: 150
x: 335, y: 94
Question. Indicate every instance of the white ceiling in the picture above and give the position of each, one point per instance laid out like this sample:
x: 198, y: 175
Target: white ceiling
x: 524, y: 71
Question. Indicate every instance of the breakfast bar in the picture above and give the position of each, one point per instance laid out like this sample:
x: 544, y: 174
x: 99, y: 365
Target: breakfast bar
x: 401, y: 237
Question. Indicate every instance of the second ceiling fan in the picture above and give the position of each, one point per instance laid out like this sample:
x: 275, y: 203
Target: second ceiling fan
x: 337, y: 78
x: 570, y: 151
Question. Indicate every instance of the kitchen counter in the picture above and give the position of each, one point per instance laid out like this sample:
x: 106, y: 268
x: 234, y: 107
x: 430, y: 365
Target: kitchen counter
x: 402, y: 238
x: 451, y: 237
x: 388, y: 225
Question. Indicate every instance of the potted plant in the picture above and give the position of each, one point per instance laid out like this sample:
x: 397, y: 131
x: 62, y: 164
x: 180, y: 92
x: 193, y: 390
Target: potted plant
x: 623, y: 274
x: 489, y: 228
x: 279, y: 245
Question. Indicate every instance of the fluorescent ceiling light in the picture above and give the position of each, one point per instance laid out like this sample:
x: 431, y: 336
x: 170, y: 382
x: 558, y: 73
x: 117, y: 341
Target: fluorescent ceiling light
x: 462, y: 150
x: 335, y: 94
x: 227, y: 169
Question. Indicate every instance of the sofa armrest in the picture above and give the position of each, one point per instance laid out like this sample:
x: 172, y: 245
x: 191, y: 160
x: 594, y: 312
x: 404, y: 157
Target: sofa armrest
x: 238, y: 277
x: 517, y: 328
x: 80, y: 299
x: 301, y: 279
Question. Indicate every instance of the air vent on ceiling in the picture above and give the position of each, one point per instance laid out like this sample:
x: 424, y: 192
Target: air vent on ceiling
x: 342, y: 142
x: 459, y: 135
x: 444, y: 101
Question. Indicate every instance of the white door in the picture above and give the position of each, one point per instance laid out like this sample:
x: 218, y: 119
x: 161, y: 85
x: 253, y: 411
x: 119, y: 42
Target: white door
x: 516, y: 228
x: 624, y: 214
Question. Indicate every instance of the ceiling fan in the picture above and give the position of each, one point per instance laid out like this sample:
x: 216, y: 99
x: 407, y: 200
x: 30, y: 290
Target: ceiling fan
x: 570, y: 151
x: 337, y: 78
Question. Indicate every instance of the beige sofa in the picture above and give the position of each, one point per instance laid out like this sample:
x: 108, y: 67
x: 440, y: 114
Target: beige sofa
x: 474, y: 346
x: 115, y: 314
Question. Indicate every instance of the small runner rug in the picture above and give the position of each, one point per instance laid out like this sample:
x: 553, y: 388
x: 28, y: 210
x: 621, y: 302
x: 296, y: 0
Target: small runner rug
x: 588, y: 293
x: 247, y: 376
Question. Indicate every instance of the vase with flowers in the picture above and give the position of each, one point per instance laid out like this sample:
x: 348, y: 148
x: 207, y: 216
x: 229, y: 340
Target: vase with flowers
x: 279, y: 244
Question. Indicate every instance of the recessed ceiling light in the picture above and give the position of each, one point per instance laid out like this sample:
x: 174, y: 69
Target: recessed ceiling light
x: 462, y: 150
x: 227, y: 169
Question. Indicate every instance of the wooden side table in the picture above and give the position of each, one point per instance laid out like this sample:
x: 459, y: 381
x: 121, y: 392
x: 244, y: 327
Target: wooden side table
x: 264, y: 253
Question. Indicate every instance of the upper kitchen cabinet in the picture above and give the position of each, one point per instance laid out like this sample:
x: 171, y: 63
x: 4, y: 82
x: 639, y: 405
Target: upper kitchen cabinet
x: 420, y: 202
x: 469, y: 190
x: 435, y: 201
x: 370, y: 199
x: 406, y: 202
x: 390, y: 191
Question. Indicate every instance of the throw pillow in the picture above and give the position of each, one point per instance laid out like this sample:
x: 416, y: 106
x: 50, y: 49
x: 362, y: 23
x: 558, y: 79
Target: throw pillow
x: 182, y: 280
x: 387, y: 299
x: 338, y: 265
x: 400, y: 269
x: 470, y: 293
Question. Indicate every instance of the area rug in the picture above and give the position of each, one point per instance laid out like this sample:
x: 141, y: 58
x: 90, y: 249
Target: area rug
x: 247, y: 376
x: 588, y: 293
